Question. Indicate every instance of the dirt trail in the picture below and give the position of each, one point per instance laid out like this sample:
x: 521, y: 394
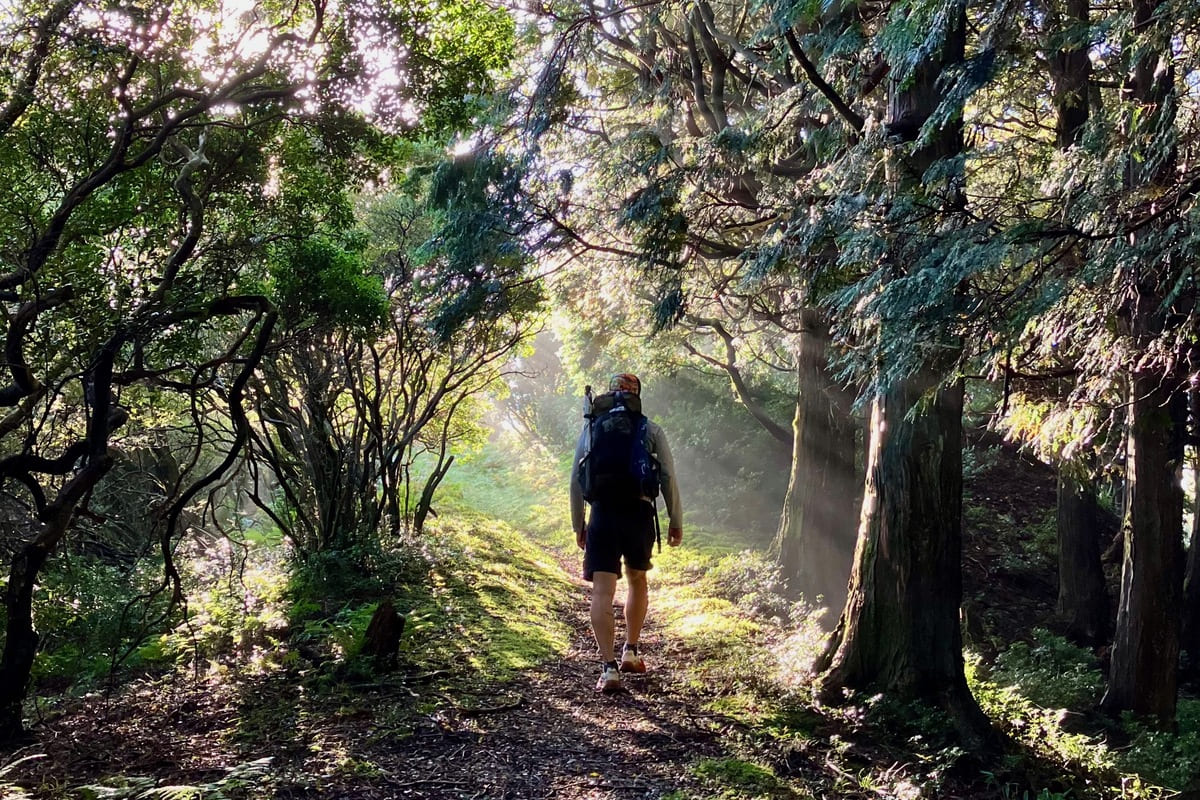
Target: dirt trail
x: 547, y: 734
x: 563, y: 740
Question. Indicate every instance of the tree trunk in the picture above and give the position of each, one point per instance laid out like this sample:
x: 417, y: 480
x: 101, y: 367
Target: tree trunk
x: 1145, y: 655
x: 381, y: 642
x: 815, y: 540
x: 21, y: 640
x: 900, y: 627
x: 425, y: 503
x: 1083, y: 604
x: 1070, y: 69
x: 1145, y: 659
x: 899, y: 631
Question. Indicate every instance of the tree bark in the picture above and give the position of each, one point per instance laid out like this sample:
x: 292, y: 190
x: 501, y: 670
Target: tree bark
x: 900, y: 627
x: 21, y: 640
x: 1070, y: 69
x: 899, y: 631
x: 1083, y: 604
x: 381, y: 642
x: 1142, y: 677
x: 814, y: 543
x: 425, y: 503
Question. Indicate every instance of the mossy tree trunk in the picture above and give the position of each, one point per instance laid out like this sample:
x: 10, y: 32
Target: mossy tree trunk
x: 815, y: 539
x: 899, y: 631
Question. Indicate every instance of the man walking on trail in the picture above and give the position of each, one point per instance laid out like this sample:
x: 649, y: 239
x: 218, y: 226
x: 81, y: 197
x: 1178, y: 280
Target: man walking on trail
x: 621, y: 527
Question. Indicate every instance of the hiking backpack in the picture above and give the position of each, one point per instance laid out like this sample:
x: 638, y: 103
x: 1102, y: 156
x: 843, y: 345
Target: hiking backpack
x: 617, y: 467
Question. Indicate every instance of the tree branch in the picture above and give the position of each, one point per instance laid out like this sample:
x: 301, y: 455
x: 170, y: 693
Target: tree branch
x: 740, y: 388
x: 850, y: 115
x: 23, y: 95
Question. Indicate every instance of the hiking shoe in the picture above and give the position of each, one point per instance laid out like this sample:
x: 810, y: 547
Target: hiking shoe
x: 631, y: 661
x: 610, y: 678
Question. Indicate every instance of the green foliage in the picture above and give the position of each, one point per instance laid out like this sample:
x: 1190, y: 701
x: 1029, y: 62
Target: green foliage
x: 1169, y: 759
x: 751, y: 581
x: 466, y: 43
x: 330, y: 577
x: 473, y: 266
x: 736, y: 774
x: 83, y: 609
x: 1041, y: 691
x: 1011, y: 791
x: 234, y: 611
x: 1050, y: 671
x: 162, y: 168
x: 654, y: 216
x: 318, y: 281
x: 251, y: 779
x: 341, y: 633
x: 916, y: 31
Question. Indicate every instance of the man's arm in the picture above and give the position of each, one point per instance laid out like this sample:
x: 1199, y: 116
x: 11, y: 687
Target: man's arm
x: 670, y: 485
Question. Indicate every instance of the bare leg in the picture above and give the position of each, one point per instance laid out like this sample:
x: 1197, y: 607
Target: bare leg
x: 637, y: 599
x: 604, y: 586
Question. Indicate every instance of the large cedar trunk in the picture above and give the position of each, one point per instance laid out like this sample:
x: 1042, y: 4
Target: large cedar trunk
x: 815, y: 540
x: 1145, y: 655
x: 900, y: 627
x: 1145, y: 658
x: 899, y: 631
x: 1083, y: 604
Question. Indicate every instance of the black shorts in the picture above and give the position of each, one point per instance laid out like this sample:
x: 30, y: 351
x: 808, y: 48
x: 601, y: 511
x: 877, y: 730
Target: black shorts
x: 619, y: 532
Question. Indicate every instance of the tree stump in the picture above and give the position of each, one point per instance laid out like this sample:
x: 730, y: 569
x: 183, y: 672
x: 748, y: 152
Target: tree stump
x: 382, y: 640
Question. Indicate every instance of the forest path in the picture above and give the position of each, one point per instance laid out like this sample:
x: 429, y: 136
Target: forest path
x: 544, y: 734
x: 551, y: 735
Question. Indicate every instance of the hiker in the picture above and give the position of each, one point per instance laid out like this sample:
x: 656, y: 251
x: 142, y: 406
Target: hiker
x: 623, y: 523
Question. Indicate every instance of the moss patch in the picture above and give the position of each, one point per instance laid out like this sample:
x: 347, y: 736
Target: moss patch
x: 496, y: 599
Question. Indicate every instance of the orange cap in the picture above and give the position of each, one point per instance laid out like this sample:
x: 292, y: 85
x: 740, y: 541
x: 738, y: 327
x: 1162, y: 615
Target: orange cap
x: 625, y: 382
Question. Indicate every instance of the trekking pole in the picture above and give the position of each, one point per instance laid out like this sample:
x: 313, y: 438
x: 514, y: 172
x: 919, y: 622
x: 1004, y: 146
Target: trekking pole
x: 657, y: 528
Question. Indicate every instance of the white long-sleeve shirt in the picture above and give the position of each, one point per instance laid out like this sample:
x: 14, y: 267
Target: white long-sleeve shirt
x: 656, y: 443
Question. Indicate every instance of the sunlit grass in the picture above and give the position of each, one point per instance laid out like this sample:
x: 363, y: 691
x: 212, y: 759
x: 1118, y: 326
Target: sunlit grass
x: 496, y: 599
